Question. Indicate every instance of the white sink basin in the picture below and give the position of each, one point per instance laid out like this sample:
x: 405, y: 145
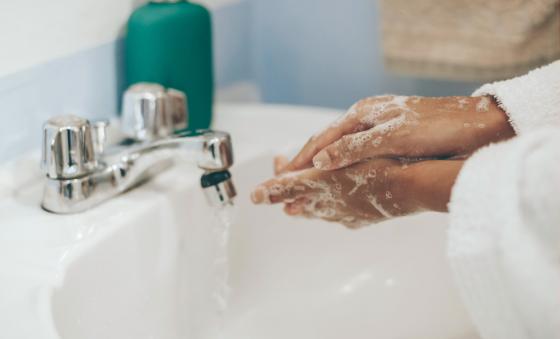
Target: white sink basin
x: 144, y: 264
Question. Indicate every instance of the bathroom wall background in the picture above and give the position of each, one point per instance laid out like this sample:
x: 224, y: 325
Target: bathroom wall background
x: 64, y: 56
x: 327, y: 53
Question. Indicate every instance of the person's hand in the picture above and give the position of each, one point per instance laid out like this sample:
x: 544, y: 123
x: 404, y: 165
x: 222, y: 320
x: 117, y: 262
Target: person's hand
x: 408, y: 127
x: 364, y: 193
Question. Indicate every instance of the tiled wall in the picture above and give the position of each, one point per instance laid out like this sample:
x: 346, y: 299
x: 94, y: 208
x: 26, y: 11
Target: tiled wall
x: 85, y: 83
x: 69, y: 60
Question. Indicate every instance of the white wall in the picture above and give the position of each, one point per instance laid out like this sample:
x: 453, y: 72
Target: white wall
x: 36, y: 31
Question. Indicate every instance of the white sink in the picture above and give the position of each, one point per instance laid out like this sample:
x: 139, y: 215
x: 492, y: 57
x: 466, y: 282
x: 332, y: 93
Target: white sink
x: 144, y: 264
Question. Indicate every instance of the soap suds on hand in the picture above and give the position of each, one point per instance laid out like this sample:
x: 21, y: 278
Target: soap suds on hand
x: 483, y: 104
x: 373, y: 201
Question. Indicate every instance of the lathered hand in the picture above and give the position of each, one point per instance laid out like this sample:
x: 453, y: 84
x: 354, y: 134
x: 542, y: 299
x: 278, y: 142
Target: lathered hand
x: 409, y: 127
x: 364, y: 193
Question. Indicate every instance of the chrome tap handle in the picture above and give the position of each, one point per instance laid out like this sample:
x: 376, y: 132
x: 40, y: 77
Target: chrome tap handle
x: 177, y: 108
x: 150, y: 112
x: 68, y: 150
x: 217, y: 151
x: 214, y: 150
x: 99, y: 133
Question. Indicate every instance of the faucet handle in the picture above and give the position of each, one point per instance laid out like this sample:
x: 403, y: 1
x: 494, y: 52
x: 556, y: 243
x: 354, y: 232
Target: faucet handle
x: 176, y: 105
x: 217, y: 151
x: 99, y: 133
x: 68, y: 150
x: 150, y: 112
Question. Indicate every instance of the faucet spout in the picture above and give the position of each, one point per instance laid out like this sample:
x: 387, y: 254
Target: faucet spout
x: 212, y: 150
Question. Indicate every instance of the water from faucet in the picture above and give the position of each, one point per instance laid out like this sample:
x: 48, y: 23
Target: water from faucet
x: 221, y: 225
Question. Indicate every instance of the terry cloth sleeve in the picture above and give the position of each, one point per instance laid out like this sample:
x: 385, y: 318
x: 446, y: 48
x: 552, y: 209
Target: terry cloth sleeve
x: 531, y: 101
x: 504, y: 236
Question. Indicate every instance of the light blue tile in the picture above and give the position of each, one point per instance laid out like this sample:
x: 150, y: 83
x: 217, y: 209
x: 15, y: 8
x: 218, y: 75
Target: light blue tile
x: 232, y: 43
x: 86, y: 83
x: 327, y: 53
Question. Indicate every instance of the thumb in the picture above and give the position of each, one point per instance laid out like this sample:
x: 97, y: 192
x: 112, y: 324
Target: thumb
x: 348, y: 150
x: 280, y: 163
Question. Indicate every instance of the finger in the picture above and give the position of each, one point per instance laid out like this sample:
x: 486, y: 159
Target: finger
x: 296, y: 207
x: 354, y: 224
x: 284, y: 188
x: 293, y: 209
x: 350, y: 123
x: 280, y: 162
x: 350, y: 149
x: 378, y: 141
x: 345, y: 125
x: 310, y: 209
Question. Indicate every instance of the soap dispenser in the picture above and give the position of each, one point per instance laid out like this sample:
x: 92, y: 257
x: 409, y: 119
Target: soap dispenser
x: 170, y: 43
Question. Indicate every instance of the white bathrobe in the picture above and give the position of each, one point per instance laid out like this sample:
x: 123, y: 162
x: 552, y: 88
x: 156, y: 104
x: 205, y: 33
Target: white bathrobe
x: 504, y: 236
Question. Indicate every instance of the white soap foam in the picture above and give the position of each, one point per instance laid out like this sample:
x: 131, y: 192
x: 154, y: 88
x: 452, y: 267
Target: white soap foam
x: 483, y: 104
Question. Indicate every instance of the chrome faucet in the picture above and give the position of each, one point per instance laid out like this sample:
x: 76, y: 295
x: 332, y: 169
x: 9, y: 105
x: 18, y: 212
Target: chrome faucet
x: 83, y: 171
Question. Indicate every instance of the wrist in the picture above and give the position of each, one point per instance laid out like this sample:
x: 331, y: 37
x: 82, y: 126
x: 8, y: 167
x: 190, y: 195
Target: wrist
x: 498, y: 120
x: 430, y: 183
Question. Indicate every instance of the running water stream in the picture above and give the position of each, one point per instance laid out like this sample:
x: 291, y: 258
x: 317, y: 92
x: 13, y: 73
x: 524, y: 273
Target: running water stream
x: 222, y: 221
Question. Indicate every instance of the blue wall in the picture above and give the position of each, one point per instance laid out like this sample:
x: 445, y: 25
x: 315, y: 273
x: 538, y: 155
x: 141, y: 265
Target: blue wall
x: 85, y: 84
x: 327, y: 53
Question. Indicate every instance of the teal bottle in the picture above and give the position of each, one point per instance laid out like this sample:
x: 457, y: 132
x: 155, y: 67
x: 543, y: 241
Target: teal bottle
x: 170, y: 43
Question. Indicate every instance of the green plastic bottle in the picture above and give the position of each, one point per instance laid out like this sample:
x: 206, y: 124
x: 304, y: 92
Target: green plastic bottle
x: 170, y: 43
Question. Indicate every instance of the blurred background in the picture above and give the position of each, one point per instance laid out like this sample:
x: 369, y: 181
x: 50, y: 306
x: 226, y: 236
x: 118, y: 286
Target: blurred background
x: 66, y: 56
